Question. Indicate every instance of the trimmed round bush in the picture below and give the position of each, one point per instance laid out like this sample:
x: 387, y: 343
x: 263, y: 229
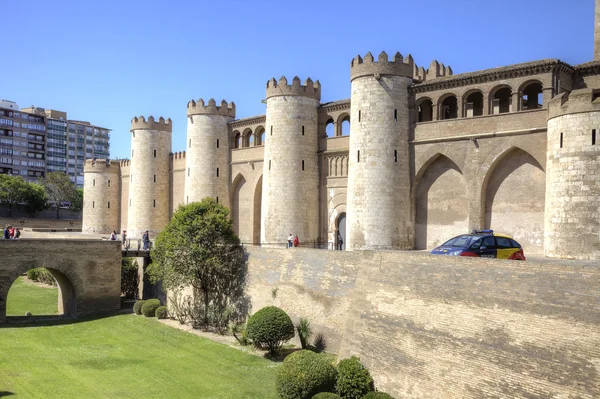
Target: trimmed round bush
x: 326, y: 395
x: 161, y: 312
x: 149, y: 307
x: 377, y: 395
x: 137, y: 307
x: 354, y: 380
x: 304, y: 374
x: 269, y: 328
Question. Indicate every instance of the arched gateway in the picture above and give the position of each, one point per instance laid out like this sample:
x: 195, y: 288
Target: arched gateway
x: 88, y: 273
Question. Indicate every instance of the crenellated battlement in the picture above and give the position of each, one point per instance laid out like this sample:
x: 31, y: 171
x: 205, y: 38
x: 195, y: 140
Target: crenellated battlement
x: 281, y: 88
x: 102, y: 166
x: 178, y: 155
x: 200, y: 108
x: 367, y: 66
x: 436, y: 70
x: 140, y: 123
x: 577, y: 101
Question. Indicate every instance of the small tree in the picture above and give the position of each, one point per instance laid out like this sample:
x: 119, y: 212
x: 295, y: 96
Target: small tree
x: 129, y: 278
x: 354, y: 380
x: 35, y: 198
x: 77, y: 202
x: 304, y: 331
x: 12, y: 191
x: 269, y: 328
x: 59, y: 188
x: 199, y: 248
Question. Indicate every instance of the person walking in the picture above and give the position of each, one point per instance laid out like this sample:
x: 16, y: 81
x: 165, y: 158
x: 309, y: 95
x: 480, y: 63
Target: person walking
x: 11, y: 232
x: 6, y: 234
x: 124, y: 239
x: 296, y: 241
x: 17, y: 233
x: 290, y: 240
x: 146, y: 240
x: 340, y: 241
x: 113, y: 235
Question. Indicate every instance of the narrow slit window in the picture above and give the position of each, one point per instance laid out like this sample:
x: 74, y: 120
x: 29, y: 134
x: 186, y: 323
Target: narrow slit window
x: 93, y: 204
x: 217, y: 200
x: 303, y: 130
x: 303, y: 164
x: 108, y: 204
x: 271, y: 130
x: 131, y: 153
x: 593, y: 136
x: 561, y: 140
x: 94, y: 182
x: 109, y: 183
x: 269, y: 164
x: 130, y: 202
x: 217, y: 143
x: 154, y: 178
x: 154, y: 153
x: 190, y: 143
x: 188, y: 171
x: 359, y: 115
x: 154, y: 203
x: 358, y: 156
x: 217, y: 172
x: 395, y: 155
x: 396, y: 115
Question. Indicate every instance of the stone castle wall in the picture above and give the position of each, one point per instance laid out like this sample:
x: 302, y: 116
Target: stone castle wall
x: 101, y: 197
x: 445, y: 327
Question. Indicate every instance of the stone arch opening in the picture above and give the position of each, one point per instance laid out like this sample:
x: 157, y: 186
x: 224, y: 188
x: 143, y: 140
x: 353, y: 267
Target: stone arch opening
x: 66, y: 295
x: 240, y: 210
x: 248, y: 139
x: 532, y: 96
x: 425, y: 108
x: 474, y: 104
x: 237, y: 140
x: 449, y: 107
x: 257, y: 212
x: 512, y: 207
x: 330, y: 128
x: 260, y: 135
x: 341, y: 230
x: 344, y: 123
x: 441, y: 203
x: 502, y: 100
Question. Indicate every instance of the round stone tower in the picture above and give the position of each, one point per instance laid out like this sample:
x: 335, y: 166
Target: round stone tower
x: 207, y: 158
x: 572, y: 218
x: 101, y: 196
x: 149, y: 176
x: 290, y: 193
x: 379, y: 205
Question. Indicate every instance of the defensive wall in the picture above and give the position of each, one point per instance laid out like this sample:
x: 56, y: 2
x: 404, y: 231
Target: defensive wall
x: 88, y: 272
x: 445, y: 327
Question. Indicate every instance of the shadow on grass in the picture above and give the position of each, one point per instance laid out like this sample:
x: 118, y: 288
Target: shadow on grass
x: 47, y: 321
x: 4, y: 393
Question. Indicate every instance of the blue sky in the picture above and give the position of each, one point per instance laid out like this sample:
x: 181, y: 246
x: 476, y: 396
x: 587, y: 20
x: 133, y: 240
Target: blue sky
x: 107, y: 61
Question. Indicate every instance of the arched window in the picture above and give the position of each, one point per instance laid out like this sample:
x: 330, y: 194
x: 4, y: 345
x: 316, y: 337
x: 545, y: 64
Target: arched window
x: 238, y: 141
x: 330, y: 128
x: 425, y: 110
x: 449, y: 109
x: 260, y: 136
x: 502, y: 101
x: 345, y: 129
x: 532, y: 96
x: 250, y: 140
x: 474, y: 104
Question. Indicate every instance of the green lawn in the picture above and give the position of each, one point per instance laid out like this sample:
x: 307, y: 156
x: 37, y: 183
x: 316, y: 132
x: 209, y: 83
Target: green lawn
x: 125, y: 356
x: 25, y: 297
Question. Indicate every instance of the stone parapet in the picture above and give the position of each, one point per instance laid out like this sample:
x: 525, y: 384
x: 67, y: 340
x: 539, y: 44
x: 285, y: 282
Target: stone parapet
x: 102, y: 166
x: 367, y: 66
x: 140, y: 123
x: 281, y: 88
x: 577, y: 101
x: 200, y: 108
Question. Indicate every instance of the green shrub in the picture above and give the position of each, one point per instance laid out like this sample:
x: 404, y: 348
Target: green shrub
x: 240, y: 332
x: 304, y: 374
x: 129, y: 278
x: 354, y: 379
x: 41, y: 275
x: 161, y: 312
x: 149, y: 307
x: 137, y: 307
x: 304, y: 331
x: 377, y: 395
x: 326, y: 395
x: 269, y: 328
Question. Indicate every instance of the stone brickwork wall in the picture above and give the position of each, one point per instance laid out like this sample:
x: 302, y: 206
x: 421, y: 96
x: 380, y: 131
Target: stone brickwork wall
x: 290, y: 188
x: 150, y: 178
x: 445, y: 327
x: 573, y: 177
x: 101, y: 197
x: 177, y: 190
x: 88, y: 272
x: 379, y: 207
x: 125, y: 178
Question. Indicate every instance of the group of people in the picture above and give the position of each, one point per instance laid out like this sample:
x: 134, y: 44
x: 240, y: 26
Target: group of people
x: 11, y: 233
x: 293, y: 241
x: 145, y: 239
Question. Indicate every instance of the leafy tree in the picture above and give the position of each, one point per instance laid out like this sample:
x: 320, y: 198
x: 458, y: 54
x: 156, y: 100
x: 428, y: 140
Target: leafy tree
x: 12, y: 190
x: 77, y: 202
x: 199, y: 248
x: 59, y: 188
x: 35, y: 198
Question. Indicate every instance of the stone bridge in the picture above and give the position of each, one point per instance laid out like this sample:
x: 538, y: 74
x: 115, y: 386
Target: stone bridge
x: 88, y: 272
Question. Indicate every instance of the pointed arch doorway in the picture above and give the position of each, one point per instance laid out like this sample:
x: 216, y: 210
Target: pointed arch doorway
x: 341, y: 228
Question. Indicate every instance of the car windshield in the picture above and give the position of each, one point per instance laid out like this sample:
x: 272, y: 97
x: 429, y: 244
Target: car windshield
x: 461, y: 241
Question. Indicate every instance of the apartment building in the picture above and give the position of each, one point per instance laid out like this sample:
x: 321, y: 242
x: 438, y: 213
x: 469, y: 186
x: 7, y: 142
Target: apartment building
x: 35, y: 141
